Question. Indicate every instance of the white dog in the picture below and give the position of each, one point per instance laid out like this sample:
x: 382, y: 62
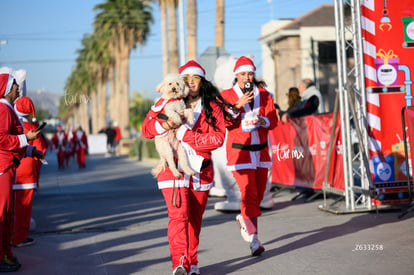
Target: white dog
x: 171, y: 104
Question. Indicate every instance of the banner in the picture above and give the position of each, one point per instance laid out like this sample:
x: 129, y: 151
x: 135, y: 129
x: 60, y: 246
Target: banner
x: 300, y: 152
x: 388, y: 35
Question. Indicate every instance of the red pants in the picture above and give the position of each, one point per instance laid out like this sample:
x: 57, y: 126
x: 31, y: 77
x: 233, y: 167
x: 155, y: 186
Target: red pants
x: 184, y: 226
x: 81, y: 157
x: 6, y: 212
x: 252, y: 184
x: 61, y: 159
x: 22, y: 213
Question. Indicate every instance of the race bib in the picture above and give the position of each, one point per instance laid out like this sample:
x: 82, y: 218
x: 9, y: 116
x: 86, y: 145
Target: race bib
x: 249, y: 121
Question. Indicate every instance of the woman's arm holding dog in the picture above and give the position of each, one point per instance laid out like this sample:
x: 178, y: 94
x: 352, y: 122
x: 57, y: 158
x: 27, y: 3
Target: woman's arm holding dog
x: 153, y: 127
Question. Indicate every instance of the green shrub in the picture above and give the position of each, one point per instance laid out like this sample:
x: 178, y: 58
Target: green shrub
x: 144, y: 148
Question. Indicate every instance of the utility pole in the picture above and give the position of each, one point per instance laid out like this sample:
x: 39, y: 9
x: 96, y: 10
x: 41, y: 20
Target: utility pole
x: 220, y: 23
x: 3, y: 42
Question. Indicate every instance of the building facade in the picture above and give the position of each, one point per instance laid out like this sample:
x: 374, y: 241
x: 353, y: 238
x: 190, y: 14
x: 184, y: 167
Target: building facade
x: 305, y: 47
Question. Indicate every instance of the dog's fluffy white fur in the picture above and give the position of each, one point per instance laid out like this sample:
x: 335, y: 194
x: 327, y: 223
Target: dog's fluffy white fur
x: 173, y: 87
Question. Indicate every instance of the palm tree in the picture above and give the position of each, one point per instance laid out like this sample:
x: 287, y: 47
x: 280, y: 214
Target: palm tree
x: 172, y: 35
x: 129, y: 22
x: 74, y: 102
x: 164, y: 37
x: 191, y: 29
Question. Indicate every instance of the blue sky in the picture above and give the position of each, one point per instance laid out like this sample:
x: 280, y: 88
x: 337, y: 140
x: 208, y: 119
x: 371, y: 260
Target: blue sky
x: 43, y: 37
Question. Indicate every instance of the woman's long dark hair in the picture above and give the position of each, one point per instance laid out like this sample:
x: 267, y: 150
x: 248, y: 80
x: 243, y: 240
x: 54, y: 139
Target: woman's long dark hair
x: 209, y: 93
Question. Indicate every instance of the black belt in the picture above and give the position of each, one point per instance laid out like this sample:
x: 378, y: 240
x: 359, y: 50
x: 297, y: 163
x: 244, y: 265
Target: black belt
x: 16, y: 161
x: 205, y: 164
x: 254, y: 147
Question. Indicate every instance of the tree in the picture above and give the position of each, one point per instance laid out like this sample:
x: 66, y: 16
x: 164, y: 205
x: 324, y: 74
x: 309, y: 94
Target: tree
x: 191, y: 29
x: 129, y: 23
x: 164, y: 38
x: 138, y: 109
x: 172, y: 36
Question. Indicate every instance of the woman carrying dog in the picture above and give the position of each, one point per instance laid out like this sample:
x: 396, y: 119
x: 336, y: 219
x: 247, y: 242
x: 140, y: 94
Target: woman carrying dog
x: 186, y: 197
x: 247, y: 145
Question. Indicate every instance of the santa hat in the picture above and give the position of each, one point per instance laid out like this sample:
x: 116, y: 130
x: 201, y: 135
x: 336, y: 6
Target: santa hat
x: 24, y: 107
x: 6, y: 83
x: 20, y: 76
x: 244, y: 64
x: 192, y: 67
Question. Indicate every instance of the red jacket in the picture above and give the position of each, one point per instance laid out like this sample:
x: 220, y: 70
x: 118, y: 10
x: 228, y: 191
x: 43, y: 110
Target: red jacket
x: 27, y: 174
x: 81, y: 140
x: 60, y: 141
x: 118, y: 135
x: 12, y: 140
x: 201, y: 137
x: 249, y: 149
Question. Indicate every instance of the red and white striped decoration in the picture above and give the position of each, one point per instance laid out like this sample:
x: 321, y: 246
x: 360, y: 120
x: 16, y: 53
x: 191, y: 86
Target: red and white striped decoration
x: 370, y: 52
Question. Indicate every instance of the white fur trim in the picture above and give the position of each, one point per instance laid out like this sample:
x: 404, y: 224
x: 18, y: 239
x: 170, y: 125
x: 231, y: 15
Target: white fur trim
x: 158, y: 108
x: 20, y: 76
x: 193, y: 70
x: 181, y: 131
x: 234, y: 112
x: 241, y: 166
x: 267, y: 122
x: 20, y: 114
x: 172, y: 183
x: 183, y: 183
x: 23, y: 141
x: 244, y: 68
x: 24, y: 186
x: 9, y: 85
x: 160, y: 130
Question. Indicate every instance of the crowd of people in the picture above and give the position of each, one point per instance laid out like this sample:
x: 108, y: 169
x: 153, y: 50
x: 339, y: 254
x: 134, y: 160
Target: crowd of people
x: 70, y: 144
x: 23, y: 147
x: 240, y: 119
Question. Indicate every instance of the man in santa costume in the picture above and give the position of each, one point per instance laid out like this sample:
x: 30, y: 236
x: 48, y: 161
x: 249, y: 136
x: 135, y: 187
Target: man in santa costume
x: 118, y: 137
x: 70, y: 150
x: 13, y: 147
x: 27, y: 175
x: 59, y: 142
x: 247, y: 145
x: 81, y: 146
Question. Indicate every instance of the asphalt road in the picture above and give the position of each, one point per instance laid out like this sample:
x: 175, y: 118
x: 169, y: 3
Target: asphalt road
x: 110, y: 218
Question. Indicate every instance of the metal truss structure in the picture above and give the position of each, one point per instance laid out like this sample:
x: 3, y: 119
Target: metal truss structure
x: 359, y: 188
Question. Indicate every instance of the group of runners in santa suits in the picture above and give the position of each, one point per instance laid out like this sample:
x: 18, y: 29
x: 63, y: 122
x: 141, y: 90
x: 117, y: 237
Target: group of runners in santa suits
x: 69, y: 144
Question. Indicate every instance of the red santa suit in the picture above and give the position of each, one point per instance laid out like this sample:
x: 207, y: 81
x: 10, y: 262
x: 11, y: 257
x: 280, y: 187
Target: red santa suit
x: 13, y: 147
x: 118, y: 137
x: 81, y: 147
x: 60, y: 141
x: 70, y: 150
x: 27, y: 175
x: 186, y: 197
x: 247, y: 147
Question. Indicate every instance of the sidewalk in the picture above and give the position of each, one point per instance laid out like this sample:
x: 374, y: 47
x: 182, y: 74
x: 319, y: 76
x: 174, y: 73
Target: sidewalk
x: 110, y: 218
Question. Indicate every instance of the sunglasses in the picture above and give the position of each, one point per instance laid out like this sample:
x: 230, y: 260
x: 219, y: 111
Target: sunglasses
x: 194, y: 78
